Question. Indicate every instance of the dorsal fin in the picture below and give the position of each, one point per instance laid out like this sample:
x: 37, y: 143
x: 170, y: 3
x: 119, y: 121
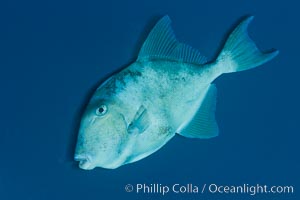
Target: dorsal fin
x: 161, y: 43
x: 188, y: 54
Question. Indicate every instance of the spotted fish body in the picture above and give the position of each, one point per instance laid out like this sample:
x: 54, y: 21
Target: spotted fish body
x: 166, y: 91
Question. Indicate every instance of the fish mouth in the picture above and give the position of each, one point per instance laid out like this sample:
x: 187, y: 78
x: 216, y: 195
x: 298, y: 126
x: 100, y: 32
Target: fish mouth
x: 85, y: 161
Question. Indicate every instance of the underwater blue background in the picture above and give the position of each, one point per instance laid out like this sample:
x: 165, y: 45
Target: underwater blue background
x: 54, y: 53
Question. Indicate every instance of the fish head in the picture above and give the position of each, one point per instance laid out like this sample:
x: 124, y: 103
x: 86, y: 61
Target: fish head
x: 102, y: 133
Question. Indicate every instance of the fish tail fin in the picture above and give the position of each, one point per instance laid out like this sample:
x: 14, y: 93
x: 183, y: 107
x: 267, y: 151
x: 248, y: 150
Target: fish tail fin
x: 240, y: 52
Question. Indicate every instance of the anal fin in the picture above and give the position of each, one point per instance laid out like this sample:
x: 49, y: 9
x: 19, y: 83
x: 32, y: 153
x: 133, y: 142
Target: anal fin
x: 204, y: 125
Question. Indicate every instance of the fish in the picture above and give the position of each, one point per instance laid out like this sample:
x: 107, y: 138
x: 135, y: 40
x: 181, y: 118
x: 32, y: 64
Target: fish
x: 167, y: 91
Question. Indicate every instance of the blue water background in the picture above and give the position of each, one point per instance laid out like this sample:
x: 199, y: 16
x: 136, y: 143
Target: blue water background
x: 54, y: 53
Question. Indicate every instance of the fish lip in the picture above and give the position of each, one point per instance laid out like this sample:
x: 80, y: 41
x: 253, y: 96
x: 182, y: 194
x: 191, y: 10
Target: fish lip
x: 85, y: 161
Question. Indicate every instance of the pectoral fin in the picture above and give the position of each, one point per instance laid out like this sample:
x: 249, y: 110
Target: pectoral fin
x: 204, y: 125
x: 140, y: 121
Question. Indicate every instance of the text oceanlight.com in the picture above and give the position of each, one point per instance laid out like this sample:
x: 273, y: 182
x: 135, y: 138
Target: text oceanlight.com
x: 163, y: 189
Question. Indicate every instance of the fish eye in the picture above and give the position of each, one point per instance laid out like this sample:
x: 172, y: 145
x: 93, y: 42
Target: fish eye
x: 101, y: 110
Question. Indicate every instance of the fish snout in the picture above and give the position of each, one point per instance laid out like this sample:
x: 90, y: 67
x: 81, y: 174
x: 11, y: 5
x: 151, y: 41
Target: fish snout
x: 85, y: 161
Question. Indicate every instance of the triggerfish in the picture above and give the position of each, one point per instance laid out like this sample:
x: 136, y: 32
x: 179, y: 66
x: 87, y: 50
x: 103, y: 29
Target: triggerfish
x: 168, y: 90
